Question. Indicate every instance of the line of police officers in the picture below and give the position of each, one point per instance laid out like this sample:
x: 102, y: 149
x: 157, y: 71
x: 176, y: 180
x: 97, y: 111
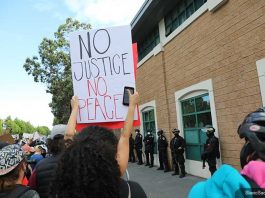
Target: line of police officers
x: 177, y: 147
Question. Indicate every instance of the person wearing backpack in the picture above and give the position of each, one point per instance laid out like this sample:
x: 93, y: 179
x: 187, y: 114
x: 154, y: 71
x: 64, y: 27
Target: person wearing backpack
x: 12, y: 168
x: 250, y: 182
x: 211, y: 149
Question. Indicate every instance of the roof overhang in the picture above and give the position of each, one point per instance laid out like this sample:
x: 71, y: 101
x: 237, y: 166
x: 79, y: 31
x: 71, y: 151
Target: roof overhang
x: 148, y: 17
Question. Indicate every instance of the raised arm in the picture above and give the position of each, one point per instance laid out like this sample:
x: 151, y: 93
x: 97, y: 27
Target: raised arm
x: 70, y: 129
x: 123, y: 145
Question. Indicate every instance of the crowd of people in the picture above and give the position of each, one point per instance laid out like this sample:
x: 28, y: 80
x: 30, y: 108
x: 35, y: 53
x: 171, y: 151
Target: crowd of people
x: 177, y: 148
x: 86, y: 164
x: 91, y: 163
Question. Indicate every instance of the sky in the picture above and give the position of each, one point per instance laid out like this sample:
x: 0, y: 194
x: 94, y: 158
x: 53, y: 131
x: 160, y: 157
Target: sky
x: 23, y: 25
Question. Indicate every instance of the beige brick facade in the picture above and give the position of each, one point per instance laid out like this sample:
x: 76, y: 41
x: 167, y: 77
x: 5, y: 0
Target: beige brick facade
x: 223, y: 46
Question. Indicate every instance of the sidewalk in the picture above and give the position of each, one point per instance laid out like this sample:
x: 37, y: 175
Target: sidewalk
x: 158, y: 184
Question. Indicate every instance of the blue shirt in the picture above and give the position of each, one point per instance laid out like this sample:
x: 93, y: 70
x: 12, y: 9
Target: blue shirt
x: 36, y: 158
x: 226, y: 182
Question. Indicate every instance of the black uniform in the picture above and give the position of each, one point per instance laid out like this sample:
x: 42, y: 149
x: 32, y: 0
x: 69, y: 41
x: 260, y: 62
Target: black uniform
x: 211, y: 152
x: 162, y: 148
x: 131, y: 151
x: 177, y: 146
x: 138, y: 147
x: 149, y: 149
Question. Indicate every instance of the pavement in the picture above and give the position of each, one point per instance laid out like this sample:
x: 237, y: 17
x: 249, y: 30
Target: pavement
x: 158, y: 184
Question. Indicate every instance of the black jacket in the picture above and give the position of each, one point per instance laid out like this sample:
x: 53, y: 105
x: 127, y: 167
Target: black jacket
x: 211, y: 148
x: 138, y: 141
x: 162, y: 142
x: 177, y: 145
x: 45, y: 173
x: 131, y: 142
x: 149, y: 142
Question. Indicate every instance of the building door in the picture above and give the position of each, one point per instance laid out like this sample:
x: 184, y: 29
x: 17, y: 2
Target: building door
x: 196, y: 114
x: 149, y: 124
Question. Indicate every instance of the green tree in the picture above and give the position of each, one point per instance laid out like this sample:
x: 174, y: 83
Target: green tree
x: 54, y: 68
x: 9, y: 122
x: 30, y: 128
x: 21, y: 124
x: 43, y: 130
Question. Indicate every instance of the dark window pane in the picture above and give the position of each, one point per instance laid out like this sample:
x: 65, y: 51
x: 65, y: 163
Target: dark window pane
x: 192, y: 136
x: 193, y: 152
x: 202, y: 103
x: 146, y: 118
x: 204, y: 119
x: 189, y: 10
x: 189, y: 121
x: 182, y: 17
x: 153, y: 127
x: 203, y: 137
x: 198, y: 4
x: 188, y: 106
x: 151, y: 115
x: 148, y: 43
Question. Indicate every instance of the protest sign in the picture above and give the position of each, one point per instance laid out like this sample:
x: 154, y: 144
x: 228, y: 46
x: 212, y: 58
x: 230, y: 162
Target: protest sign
x: 102, y: 65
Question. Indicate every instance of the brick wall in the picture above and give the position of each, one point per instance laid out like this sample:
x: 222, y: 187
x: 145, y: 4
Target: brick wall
x: 223, y: 46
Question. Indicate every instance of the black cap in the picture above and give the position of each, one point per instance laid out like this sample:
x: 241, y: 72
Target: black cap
x: 175, y: 130
x: 208, y: 130
x: 160, y: 131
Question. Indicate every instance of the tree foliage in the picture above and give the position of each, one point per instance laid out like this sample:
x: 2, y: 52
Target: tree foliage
x: 18, y: 126
x: 53, y: 68
x: 43, y: 130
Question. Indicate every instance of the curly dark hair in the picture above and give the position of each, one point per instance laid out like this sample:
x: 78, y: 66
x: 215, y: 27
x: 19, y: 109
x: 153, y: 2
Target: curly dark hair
x: 88, y: 167
x: 56, y: 145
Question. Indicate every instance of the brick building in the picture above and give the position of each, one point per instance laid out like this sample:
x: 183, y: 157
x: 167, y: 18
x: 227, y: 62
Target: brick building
x: 200, y: 63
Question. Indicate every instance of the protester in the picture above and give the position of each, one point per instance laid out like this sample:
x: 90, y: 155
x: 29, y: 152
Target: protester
x: 36, y: 157
x: 211, y: 149
x: 138, y: 146
x: 227, y: 181
x: 149, y: 149
x: 44, y: 150
x: 44, y: 172
x: 162, y: 149
x: 131, y: 149
x: 177, y: 146
x: 12, y: 168
x: 93, y: 165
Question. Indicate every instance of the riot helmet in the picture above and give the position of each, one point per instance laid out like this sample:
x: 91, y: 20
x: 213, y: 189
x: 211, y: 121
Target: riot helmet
x: 160, y: 132
x: 209, y: 130
x: 253, y: 130
x: 175, y: 131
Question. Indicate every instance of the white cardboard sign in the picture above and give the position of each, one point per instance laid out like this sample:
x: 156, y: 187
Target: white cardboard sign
x: 102, y: 65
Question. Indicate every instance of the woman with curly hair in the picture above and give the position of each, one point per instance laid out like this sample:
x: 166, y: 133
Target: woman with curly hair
x: 93, y: 164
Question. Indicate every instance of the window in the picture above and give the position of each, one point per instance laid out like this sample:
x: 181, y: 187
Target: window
x: 149, y: 123
x: 196, y: 114
x: 148, y: 44
x: 181, y: 13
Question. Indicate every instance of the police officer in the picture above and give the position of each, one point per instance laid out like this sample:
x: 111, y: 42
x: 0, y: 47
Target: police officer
x: 162, y: 149
x: 211, y: 149
x: 149, y: 149
x: 138, y: 146
x: 131, y: 149
x: 177, y: 145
